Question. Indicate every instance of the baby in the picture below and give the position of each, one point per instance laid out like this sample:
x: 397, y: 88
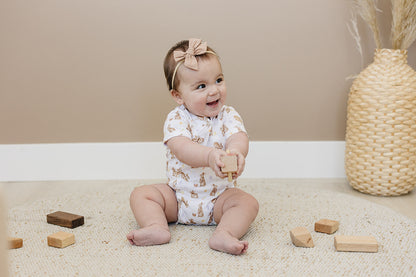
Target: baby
x: 197, y: 134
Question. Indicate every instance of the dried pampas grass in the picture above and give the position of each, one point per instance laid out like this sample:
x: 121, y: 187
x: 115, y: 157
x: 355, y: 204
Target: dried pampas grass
x: 353, y: 29
x: 403, y: 31
x: 368, y: 11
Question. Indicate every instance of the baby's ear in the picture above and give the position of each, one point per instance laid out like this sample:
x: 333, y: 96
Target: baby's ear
x: 176, y: 96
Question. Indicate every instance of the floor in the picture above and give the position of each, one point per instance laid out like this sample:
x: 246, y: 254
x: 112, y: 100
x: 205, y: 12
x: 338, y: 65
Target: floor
x: 18, y: 193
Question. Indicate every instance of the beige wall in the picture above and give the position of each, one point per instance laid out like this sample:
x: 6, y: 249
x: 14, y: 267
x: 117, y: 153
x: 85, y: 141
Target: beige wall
x: 91, y: 71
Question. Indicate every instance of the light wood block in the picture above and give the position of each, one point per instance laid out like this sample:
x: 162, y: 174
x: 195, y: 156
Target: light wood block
x: 15, y: 243
x: 327, y: 226
x: 230, y: 162
x: 356, y: 243
x: 65, y: 219
x: 61, y: 239
x: 301, y: 237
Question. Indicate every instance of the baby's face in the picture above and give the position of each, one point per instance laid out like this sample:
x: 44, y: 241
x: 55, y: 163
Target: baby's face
x: 202, y: 91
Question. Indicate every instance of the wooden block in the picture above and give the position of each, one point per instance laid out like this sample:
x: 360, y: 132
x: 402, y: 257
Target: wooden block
x: 61, y: 239
x: 65, y: 219
x: 301, y: 237
x: 356, y: 243
x: 327, y: 226
x: 230, y: 162
x: 15, y: 243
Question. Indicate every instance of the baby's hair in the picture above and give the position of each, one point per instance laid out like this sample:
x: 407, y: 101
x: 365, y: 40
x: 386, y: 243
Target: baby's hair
x: 169, y: 63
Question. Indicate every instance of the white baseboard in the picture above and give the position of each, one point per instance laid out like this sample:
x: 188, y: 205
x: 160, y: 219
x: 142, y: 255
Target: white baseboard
x: 146, y: 160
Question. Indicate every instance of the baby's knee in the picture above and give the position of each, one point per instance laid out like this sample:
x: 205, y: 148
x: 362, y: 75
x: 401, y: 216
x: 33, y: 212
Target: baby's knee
x: 144, y: 191
x: 252, y: 203
x: 246, y: 200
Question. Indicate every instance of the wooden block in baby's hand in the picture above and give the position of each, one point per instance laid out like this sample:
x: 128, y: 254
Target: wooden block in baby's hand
x: 326, y: 226
x: 356, y: 243
x: 230, y: 163
x: 15, y: 243
x: 301, y: 237
x: 61, y: 239
x: 65, y: 219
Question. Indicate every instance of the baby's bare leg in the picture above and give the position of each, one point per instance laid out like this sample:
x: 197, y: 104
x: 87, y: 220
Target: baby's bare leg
x: 234, y: 211
x: 153, y: 207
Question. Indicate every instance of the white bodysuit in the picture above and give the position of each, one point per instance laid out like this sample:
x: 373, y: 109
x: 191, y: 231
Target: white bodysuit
x: 198, y: 188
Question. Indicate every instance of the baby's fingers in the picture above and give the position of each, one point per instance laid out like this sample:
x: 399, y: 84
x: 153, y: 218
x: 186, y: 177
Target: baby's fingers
x: 219, y: 162
x: 219, y: 173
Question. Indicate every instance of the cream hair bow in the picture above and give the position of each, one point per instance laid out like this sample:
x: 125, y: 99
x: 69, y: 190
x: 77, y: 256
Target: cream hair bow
x: 196, y: 47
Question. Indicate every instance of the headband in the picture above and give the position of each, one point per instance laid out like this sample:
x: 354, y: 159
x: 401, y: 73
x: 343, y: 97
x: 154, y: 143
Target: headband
x: 196, y: 47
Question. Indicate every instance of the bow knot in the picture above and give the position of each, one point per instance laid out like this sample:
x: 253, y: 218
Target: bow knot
x: 196, y: 47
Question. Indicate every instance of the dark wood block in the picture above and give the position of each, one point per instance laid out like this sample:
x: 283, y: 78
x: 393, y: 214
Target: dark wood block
x: 65, y: 219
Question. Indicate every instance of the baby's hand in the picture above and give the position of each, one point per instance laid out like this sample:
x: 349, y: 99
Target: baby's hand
x: 215, y: 163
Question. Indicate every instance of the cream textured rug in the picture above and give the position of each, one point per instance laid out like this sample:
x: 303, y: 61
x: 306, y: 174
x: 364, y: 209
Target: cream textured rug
x: 102, y: 250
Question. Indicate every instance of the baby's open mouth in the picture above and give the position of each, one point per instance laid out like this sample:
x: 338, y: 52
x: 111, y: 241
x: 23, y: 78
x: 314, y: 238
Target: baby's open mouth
x: 213, y: 102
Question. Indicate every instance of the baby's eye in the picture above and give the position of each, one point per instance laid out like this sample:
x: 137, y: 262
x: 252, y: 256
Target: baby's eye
x: 219, y: 80
x: 201, y: 86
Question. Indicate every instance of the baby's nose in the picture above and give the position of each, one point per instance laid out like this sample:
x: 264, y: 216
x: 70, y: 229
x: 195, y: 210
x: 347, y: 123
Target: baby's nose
x: 214, y: 90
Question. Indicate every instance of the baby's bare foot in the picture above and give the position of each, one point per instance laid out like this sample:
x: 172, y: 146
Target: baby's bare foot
x: 150, y: 235
x: 223, y: 241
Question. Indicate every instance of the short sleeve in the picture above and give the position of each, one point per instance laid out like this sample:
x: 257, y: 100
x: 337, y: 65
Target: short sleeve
x: 233, y: 123
x: 176, y: 124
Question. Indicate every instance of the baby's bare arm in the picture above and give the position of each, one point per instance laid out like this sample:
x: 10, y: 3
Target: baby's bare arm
x: 196, y: 155
x: 189, y: 152
x: 238, y: 144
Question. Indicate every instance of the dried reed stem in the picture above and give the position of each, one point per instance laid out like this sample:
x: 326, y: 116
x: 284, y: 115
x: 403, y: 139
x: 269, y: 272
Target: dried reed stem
x: 367, y: 10
x: 353, y: 29
x: 403, y: 32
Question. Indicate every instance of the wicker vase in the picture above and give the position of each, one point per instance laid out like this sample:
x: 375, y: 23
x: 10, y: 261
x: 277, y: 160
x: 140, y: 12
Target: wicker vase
x: 380, y: 154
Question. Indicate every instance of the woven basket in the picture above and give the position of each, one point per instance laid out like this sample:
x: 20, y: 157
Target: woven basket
x: 380, y: 154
